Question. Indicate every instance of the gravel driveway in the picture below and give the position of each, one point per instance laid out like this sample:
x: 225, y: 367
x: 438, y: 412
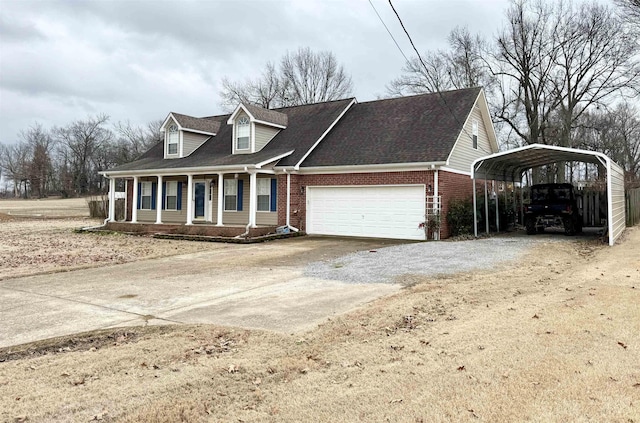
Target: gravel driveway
x: 426, y: 258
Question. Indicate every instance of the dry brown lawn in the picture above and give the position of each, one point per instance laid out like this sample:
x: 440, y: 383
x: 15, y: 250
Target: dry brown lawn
x: 34, y: 246
x: 555, y: 337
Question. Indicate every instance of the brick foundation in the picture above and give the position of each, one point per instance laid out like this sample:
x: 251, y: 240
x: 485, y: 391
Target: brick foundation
x: 205, y: 230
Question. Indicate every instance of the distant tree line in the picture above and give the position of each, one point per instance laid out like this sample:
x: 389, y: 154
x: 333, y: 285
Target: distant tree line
x: 65, y: 160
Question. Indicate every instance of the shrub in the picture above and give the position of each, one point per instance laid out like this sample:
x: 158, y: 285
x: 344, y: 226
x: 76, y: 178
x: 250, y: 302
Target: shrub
x: 460, y: 217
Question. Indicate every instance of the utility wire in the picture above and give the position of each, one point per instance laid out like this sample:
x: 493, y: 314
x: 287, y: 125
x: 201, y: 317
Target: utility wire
x: 389, y: 32
x: 423, y: 65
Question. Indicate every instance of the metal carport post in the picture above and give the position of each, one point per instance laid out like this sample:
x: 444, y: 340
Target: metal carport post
x: 504, y: 166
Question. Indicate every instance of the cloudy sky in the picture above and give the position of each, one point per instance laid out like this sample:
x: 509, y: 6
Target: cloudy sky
x: 138, y: 60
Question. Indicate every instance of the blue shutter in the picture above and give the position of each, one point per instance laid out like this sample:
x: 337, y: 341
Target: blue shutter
x: 179, y: 200
x: 154, y: 194
x: 164, y: 194
x: 240, y: 189
x: 139, y: 195
x: 274, y: 194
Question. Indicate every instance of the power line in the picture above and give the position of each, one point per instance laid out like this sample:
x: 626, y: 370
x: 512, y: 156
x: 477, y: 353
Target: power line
x: 389, y: 32
x: 424, y: 66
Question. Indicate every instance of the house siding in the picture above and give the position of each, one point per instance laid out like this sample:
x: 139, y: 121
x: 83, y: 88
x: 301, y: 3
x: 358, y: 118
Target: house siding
x: 463, y: 154
x: 264, y: 134
x: 191, y: 141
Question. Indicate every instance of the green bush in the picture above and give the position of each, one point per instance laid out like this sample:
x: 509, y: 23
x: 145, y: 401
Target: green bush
x: 460, y: 217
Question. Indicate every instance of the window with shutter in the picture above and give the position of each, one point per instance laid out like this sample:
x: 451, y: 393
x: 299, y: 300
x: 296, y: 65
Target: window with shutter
x: 230, y: 194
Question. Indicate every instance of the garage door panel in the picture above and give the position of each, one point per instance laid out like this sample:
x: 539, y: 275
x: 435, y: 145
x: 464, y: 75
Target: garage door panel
x: 379, y: 211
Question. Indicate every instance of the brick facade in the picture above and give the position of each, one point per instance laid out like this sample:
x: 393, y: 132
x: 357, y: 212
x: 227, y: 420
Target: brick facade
x: 450, y: 185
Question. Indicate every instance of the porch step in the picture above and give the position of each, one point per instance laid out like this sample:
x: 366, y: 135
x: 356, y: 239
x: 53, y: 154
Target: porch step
x: 230, y: 240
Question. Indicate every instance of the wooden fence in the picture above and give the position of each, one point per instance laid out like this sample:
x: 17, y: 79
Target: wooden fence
x: 632, y: 197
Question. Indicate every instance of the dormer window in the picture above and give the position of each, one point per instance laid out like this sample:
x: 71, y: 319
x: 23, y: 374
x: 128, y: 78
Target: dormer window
x: 172, y: 140
x: 242, y: 134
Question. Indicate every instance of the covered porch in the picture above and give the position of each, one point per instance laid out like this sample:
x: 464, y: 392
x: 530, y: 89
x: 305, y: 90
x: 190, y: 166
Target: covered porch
x: 234, y: 201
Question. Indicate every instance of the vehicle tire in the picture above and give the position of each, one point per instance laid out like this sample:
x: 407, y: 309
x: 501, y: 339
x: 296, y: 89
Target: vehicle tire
x: 530, y: 224
x: 569, y: 227
x: 579, y: 225
x: 540, y: 229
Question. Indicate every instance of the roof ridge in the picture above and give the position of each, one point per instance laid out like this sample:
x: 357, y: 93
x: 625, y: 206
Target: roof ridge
x: 422, y: 95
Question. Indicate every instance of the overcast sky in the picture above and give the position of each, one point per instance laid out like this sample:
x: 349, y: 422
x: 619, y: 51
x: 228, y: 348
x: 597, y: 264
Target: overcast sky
x: 139, y: 60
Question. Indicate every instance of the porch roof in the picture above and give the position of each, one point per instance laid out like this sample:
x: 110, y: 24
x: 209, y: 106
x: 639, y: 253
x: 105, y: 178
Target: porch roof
x: 150, y: 163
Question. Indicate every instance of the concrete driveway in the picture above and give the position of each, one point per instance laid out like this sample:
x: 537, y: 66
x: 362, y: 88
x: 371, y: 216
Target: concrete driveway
x: 255, y: 286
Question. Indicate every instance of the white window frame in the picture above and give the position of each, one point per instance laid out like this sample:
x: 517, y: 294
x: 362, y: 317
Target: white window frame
x: 263, y: 185
x: 474, y: 134
x: 231, y: 185
x: 173, y: 134
x: 146, y: 186
x: 244, y: 124
x: 172, y: 191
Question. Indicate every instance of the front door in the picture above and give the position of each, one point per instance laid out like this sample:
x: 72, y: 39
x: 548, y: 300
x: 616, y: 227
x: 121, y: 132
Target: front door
x: 198, y: 195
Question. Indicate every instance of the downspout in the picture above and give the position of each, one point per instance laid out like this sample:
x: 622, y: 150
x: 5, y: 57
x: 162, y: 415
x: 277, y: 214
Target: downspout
x: 288, y: 223
x: 246, y: 229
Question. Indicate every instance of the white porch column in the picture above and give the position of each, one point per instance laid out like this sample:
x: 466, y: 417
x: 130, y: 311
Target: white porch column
x: 253, y: 199
x: 190, y: 200
x: 112, y: 199
x: 220, y: 199
x: 134, y: 201
x: 159, y: 201
x: 288, y: 198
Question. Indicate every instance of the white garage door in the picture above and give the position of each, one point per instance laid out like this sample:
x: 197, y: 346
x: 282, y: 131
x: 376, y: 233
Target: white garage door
x: 389, y: 211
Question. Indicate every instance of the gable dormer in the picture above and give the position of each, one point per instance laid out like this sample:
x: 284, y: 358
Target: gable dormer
x: 184, y: 134
x: 254, y: 127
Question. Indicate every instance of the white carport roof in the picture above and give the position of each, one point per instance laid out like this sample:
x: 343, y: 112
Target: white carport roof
x: 510, y: 166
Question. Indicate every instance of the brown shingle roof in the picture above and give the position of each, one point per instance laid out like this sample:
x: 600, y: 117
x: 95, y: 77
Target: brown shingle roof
x: 306, y: 124
x: 416, y: 129
x: 197, y: 124
x: 267, y: 115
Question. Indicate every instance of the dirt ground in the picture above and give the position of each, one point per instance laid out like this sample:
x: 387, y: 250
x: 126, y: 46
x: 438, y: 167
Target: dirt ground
x: 35, y: 246
x: 47, y: 207
x: 551, y: 338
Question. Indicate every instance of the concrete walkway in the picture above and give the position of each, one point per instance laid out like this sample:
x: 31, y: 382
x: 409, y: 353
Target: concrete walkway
x: 255, y: 286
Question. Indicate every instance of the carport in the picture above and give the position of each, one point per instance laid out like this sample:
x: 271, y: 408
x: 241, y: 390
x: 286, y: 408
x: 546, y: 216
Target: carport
x: 511, y: 165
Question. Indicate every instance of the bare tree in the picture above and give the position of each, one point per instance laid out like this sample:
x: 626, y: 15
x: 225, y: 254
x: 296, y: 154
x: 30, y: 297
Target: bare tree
x: 133, y: 141
x: 302, y: 77
x: 39, y: 166
x: 595, y: 62
x: 630, y: 13
x: 14, y: 160
x: 523, y: 60
x: 461, y: 66
x: 309, y: 77
x: 81, y: 142
x: 615, y: 132
x: 266, y: 91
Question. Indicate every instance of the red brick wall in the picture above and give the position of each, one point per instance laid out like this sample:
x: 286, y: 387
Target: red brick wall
x: 452, y: 186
